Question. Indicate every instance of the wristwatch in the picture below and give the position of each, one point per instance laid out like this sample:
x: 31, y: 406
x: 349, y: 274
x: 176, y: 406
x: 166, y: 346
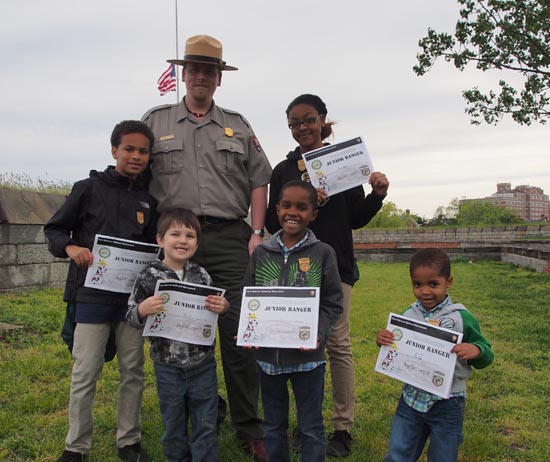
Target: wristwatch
x: 259, y: 232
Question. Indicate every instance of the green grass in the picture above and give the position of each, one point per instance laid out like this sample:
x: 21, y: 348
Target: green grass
x: 507, y: 416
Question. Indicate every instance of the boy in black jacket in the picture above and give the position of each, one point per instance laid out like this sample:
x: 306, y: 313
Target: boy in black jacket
x: 115, y: 203
x: 295, y: 257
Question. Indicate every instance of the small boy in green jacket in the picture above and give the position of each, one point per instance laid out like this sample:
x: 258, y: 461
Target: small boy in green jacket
x: 420, y: 414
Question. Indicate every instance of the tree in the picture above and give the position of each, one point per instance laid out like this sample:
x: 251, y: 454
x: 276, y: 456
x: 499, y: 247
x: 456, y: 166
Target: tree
x: 510, y: 35
x: 478, y: 213
x: 445, y: 216
x: 389, y: 216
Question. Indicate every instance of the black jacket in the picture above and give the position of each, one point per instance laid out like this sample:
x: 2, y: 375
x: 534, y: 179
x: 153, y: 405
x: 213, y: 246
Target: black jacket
x: 105, y: 203
x: 343, y: 212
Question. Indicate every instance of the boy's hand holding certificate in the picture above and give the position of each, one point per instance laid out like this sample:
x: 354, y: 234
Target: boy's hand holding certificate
x: 420, y: 356
x: 279, y: 317
x: 339, y: 167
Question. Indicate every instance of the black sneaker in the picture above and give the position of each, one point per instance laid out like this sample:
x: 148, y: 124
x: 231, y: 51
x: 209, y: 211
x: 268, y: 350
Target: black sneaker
x: 133, y: 453
x: 70, y: 456
x: 339, y: 444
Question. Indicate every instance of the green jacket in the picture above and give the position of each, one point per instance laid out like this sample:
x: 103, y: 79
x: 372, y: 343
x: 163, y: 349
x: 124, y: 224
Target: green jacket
x: 455, y: 316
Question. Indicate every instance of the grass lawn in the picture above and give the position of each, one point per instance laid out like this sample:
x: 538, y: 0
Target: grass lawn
x: 508, y: 407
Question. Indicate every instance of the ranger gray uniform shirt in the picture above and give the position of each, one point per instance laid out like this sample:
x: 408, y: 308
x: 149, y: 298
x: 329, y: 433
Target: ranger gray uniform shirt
x: 208, y: 166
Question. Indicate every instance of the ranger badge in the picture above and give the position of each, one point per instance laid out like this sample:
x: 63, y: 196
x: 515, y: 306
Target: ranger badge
x: 304, y: 264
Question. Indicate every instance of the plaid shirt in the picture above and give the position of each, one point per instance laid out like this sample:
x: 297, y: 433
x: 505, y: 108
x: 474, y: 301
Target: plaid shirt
x: 165, y: 350
x: 420, y: 400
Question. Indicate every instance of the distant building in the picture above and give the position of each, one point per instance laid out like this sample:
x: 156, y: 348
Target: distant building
x: 527, y: 202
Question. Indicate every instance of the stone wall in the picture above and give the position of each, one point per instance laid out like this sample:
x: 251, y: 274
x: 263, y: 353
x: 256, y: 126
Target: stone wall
x: 535, y: 258
x: 524, y: 245
x: 24, y: 257
x: 25, y: 260
x: 478, y: 235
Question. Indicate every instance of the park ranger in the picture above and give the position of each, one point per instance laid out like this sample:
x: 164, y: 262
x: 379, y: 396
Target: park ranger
x: 207, y: 159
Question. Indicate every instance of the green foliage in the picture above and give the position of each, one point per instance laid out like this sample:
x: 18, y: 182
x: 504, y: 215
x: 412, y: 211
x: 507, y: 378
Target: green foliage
x: 475, y: 212
x: 23, y: 182
x: 479, y: 212
x: 388, y: 217
x: 445, y: 216
x: 510, y: 35
x: 506, y: 419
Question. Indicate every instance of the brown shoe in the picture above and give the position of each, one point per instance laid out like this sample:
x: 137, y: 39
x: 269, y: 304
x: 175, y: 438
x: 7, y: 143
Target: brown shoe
x: 257, y: 449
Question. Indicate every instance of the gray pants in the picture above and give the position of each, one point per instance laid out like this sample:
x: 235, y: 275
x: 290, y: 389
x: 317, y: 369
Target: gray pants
x: 342, y: 368
x: 88, y: 351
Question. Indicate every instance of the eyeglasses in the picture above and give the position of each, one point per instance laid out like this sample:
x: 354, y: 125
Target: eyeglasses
x: 306, y: 122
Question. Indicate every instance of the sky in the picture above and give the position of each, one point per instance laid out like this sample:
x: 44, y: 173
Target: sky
x: 71, y: 70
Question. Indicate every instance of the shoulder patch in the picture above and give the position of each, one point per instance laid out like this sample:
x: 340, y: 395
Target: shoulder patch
x: 256, y: 144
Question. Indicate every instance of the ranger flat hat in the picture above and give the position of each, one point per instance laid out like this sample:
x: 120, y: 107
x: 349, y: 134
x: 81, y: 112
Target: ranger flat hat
x: 203, y: 49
